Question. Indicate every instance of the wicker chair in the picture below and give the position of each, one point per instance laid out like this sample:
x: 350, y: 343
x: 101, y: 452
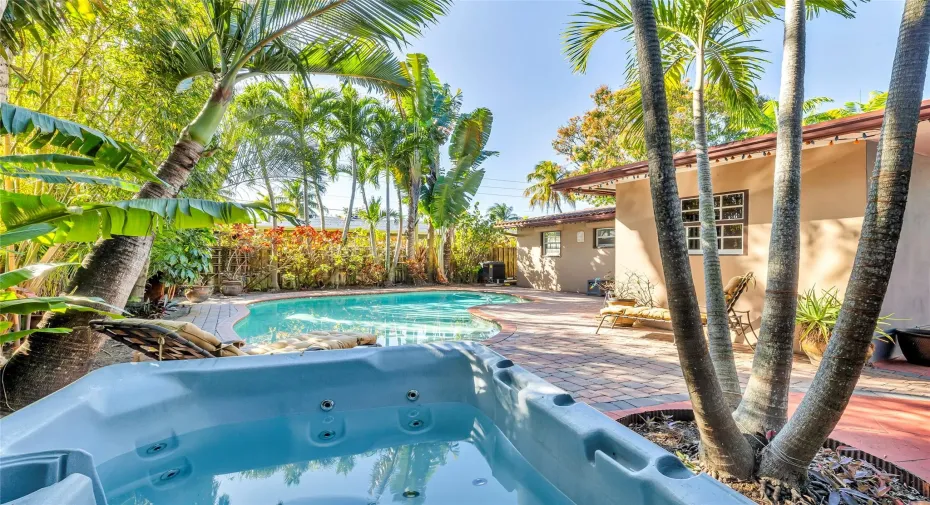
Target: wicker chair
x: 174, y: 340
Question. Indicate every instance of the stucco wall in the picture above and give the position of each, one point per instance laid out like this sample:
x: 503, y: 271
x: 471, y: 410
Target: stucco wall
x: 908, y: 295
x: 832, y: 204
x: 579, y: 261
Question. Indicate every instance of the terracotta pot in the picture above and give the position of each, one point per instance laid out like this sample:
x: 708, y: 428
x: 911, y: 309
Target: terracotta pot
x: 232, y: 288
x: 813, y: 350
x: 197, y: 294
x: 624, y: 322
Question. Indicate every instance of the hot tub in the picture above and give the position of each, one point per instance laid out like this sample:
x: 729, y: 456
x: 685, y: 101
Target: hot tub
x: 449, y: 423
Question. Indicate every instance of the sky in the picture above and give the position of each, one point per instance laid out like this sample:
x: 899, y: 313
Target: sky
x: 507, y: 55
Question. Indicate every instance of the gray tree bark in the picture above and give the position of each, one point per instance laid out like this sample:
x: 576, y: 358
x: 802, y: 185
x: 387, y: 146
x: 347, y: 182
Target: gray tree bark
x: 371, y: 226
x: 724, y: 450
x: 274, y: 223
x: 49, y: 362
x: 787, y: 456
x: 345, y: 227
x: 387, y: 223
x: 412, y: 207
x: 319, y: 203
x: 765, y: 402
x: 400, y: 215
x: 718, y: 328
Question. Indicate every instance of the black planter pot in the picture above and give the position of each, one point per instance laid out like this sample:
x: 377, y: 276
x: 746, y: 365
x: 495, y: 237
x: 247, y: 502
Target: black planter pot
x: 883, y: 348
x: 915, y: 344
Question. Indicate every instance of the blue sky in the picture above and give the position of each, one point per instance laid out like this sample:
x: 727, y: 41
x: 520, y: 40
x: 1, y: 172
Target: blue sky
x: 506, y: 55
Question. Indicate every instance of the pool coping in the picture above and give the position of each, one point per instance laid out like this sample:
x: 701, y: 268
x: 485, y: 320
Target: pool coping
x: 226, y: 333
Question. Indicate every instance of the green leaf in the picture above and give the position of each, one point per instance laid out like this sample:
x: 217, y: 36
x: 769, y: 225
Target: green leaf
x: 23, y: 306
x: 16, y: 335
x: 5, y: 325
x: 46, y: 161
x: 10, y: 237
x: 12, y: 278
x: 53, y: 177
x: 44, y: 130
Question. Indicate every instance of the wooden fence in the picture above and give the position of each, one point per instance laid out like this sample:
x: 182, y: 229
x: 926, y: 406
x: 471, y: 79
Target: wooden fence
x: 508, y: 255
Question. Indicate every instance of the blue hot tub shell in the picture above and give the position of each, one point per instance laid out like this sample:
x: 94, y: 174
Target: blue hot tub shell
x: 590, y: 458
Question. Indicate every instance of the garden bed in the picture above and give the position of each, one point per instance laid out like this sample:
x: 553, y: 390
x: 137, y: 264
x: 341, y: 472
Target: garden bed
x: 839, y: 474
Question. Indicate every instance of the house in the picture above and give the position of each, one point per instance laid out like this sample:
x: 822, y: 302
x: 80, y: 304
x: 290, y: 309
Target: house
x: 562, y: 252
x: 837, y: 159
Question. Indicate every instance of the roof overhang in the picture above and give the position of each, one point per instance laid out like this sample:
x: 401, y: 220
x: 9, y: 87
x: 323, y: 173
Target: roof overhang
x: 557, y: 219
x: 852, y: 129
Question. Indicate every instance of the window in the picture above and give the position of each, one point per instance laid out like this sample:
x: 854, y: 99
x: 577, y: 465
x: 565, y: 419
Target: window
x: 552, y: 243
x: 730, y: 214
x: 604, y: 238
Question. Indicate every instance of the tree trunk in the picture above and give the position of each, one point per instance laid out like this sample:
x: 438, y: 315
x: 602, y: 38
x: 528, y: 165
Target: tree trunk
x: 138, y: 290
x: 400, y: 214
x: 845, y: 356
x: 724, y: 450
x: 319, y: 203
x: 412, y: 210
x: 765, y: 404
x: 274, y: 224
x: 48, y: 362
x: 371, y: 225
x: 306, y: 199
x: 387, y: 224
x: 4, y: 76
x: 431, y: 259
x: 718, y: 328
x: 345, y: 226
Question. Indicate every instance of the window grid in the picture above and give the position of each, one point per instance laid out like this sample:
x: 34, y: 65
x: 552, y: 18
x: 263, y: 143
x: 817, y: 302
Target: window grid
x: 552, y: 243
x: 730, y: 214
x: 604, y: 238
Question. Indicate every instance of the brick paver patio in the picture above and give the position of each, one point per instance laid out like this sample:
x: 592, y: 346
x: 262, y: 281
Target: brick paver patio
x: 623, y: 370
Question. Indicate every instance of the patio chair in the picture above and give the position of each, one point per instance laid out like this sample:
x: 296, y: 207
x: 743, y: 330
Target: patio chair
x: 738, y: 321
x: 164, y: 340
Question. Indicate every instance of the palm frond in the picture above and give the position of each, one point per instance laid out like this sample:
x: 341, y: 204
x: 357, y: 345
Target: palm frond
x: 590, y: 24
x: 44, y: 130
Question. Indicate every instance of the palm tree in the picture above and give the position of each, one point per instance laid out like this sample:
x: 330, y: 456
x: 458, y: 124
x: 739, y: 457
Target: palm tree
x: 447, y: 197
x: 709, y: 36
x: 352, y: 116
x: 372, y: 214
x: 388, y: 149
x: 501, y: 212
x: 724, y: 450
x: 823, y: 405
x: 227, y: 41
x: 540, y: 193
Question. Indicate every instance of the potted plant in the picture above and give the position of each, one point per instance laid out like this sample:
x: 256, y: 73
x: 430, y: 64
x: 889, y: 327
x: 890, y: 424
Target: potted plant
x: 816, y: 318
x: 915, y: 344
x: 183, y: 258
x: 231, y: 287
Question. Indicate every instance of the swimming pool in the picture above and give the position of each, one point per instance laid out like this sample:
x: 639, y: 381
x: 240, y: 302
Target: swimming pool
x: 396, y: 318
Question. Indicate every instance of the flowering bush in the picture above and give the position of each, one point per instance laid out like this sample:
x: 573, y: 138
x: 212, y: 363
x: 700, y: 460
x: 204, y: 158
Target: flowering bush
x: 309, y: 258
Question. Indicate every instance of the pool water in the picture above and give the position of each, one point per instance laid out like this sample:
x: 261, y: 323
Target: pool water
x: 446, y: 453
x: 396, y: 318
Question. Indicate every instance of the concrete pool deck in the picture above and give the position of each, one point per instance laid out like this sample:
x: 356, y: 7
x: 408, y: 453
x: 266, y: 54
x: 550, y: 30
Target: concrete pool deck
x: 625, y: 370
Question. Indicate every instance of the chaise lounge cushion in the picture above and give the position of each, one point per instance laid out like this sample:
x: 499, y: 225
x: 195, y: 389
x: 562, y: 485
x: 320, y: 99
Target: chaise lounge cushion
x: 203, y: 339
x: 654, y: 313
x: 316, y: 340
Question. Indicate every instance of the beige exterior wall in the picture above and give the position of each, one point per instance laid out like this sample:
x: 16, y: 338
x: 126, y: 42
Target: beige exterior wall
x: 578, y: 262
x: 832, y: 204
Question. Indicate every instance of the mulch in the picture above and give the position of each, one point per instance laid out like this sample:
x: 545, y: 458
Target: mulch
x: 836, y: 478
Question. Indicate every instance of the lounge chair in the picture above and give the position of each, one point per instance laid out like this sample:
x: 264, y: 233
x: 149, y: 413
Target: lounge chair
x: 732, y: 292
x: 164, y: 340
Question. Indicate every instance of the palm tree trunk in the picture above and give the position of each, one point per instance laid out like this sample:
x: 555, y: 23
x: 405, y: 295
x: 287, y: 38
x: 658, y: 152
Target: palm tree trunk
x: 412, y: 206
x: 345, y: 226
x: 48, y: 362
x: 765, y: 404
x: 274, y: 224
x: 387, y: 223
x: 371, y: 225
x: 842, y: 363
x: 724, y: 450
x: 400, y: 215
x: 306, y: 198
x: 319, y: 204
x: 718, y: 328
x: 4, y: 76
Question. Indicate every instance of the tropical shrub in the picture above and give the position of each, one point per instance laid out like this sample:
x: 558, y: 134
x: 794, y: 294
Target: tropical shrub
x: 475, y: 237
x: 817, y: 314
x: 182, y: 256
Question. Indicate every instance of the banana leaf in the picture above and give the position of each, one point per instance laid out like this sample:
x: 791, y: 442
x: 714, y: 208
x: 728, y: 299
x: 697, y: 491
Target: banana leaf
x: 16, y: 335
x: 14, y: 277
x: 23, y: 306
x: 53, y: 177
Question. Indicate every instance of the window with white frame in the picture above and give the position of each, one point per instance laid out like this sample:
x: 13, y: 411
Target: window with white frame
x: 552, y: 243
x: 604, y: 238
x: 731, y: 216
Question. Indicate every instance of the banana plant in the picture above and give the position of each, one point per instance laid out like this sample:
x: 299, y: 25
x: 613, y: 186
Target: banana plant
x: 17, y: 302
x: 449, y: 196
